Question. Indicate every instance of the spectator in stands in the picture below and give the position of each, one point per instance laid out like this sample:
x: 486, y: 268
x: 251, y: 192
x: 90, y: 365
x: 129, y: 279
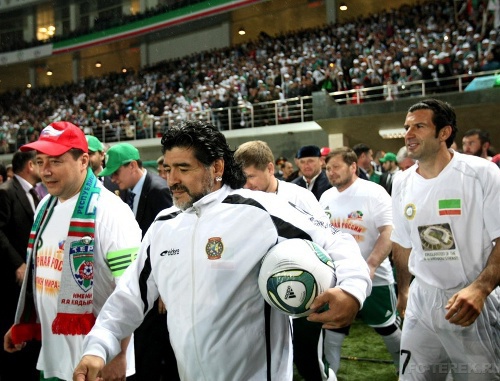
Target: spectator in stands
x: 154, y: 91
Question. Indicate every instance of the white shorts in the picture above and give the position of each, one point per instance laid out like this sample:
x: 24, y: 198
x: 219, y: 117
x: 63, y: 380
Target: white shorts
x: 431, y: 347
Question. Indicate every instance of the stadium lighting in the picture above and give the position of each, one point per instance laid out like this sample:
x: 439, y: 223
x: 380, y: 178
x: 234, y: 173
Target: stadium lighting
x: 343, y: 7
x: 98, y: 64
x: 242, y: 31
x: 49, y: 72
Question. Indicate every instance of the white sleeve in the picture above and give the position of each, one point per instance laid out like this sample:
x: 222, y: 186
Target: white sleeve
x: 400, y: 233
x: 111, y: 327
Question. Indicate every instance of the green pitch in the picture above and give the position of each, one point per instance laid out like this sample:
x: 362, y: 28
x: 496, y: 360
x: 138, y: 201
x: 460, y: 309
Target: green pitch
x: 364, y: 344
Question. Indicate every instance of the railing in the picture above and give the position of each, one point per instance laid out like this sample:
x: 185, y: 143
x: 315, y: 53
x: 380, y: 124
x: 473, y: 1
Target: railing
x: 391, y: 92
x: 271, y: 113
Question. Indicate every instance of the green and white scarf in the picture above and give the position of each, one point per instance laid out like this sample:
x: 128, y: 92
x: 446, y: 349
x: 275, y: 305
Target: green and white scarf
x: 74, y: 307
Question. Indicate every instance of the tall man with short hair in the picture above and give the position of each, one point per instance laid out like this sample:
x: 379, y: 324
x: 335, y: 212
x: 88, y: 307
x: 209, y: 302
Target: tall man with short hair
x: 363, y: 209
x: 256, y: 159
x: 447, y: 235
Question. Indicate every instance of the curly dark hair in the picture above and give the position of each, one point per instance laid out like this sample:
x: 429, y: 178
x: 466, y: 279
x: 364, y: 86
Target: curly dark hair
x: 208, y: 144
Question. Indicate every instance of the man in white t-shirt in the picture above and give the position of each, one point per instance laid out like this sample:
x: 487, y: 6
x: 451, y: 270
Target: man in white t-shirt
x: 363, y: 209
x: 256, y: 159
x: 447, y: 235
x: 82, y: 239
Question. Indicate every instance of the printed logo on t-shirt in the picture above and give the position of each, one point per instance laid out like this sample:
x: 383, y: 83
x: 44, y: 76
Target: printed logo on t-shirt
x: 438, y: 243
x: 450, y: 207
x: 410, y: 211
x: 355, y: 215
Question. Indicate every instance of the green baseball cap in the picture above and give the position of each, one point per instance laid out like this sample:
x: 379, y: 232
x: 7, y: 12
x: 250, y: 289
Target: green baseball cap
x: 389, y: 156
x: 94, y: 143
x: 118, y: 155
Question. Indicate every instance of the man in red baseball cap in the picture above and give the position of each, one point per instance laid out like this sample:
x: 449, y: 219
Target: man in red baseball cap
x: 80, y: 235
x: 65, y: 141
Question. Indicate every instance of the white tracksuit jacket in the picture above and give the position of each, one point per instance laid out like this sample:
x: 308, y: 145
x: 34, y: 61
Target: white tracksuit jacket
x: 204, y: 263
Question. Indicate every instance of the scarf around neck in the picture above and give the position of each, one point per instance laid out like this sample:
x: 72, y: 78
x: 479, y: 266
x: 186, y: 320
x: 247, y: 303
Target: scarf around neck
x: 75, y: 299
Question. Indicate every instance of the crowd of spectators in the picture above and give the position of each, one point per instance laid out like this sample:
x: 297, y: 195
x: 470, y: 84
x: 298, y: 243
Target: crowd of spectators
x: 429, y: 41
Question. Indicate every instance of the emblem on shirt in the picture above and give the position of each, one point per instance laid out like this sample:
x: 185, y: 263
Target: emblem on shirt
x: 450, y: 207
x: 81, y: 257
x: 410, y: 211
x: 356, y: 215
x: 214, y: 248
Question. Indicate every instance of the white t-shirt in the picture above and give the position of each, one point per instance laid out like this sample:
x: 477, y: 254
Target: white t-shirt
x: 302, y: 198
x: 116, y: 228
x: 449, y: 221
x: 360, y: 210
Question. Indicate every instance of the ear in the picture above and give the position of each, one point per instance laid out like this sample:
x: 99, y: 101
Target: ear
x: 270, y: 168
x: 85, y: 160
x: 218, y: 166
x: 445, y: 133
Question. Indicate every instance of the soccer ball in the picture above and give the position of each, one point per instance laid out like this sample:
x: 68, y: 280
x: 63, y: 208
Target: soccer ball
x: 293, y: 273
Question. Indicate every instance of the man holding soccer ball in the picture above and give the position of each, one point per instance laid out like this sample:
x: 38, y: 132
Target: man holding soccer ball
x: 202, y: 257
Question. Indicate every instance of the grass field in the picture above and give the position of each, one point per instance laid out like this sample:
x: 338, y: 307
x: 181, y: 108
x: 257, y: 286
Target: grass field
x: 363, y: 343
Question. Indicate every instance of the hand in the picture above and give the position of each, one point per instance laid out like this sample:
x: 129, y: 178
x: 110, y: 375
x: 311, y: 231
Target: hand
x: 465, y: 306
x: 8, y: 344
x: 343, y: 308
x: 401, y: 304
x: 20, y: 272
x: 88, y: 369
x: 116, y: 369
x: 162, y: 308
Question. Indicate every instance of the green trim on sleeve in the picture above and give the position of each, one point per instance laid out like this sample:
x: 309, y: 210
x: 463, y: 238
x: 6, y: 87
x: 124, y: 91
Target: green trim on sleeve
x: 119, y: 260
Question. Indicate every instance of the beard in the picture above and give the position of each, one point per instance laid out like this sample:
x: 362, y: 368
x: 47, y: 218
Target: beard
x: 207, y: 187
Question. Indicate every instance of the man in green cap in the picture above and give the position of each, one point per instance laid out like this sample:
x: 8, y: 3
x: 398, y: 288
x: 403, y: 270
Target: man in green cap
x: 390, y: 166
x: 147, y: 195
x: 96, y: 160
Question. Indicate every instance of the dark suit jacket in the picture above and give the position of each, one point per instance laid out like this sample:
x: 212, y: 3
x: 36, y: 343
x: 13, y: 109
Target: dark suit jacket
x: 153, y: 354
x: 386, y: 181
x: 16, y: 218
x: 320, y: 185
x: 362, y: 174
x: 155, y: 197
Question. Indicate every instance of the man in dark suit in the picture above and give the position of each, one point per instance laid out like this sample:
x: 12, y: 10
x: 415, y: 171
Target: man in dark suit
x: 390, y: 165
x: 313, y: 177
x: 147, y: 195
x: 17, y: 207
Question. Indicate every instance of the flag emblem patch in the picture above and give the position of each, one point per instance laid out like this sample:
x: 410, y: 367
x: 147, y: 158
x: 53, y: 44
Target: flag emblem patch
x: 451, y: 207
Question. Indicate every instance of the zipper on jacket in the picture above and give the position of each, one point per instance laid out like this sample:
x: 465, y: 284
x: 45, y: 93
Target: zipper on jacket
x: 193, y: 291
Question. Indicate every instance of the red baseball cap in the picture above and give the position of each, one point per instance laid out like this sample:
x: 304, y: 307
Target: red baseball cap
x: 57, y: 139
x: 325, y: 151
